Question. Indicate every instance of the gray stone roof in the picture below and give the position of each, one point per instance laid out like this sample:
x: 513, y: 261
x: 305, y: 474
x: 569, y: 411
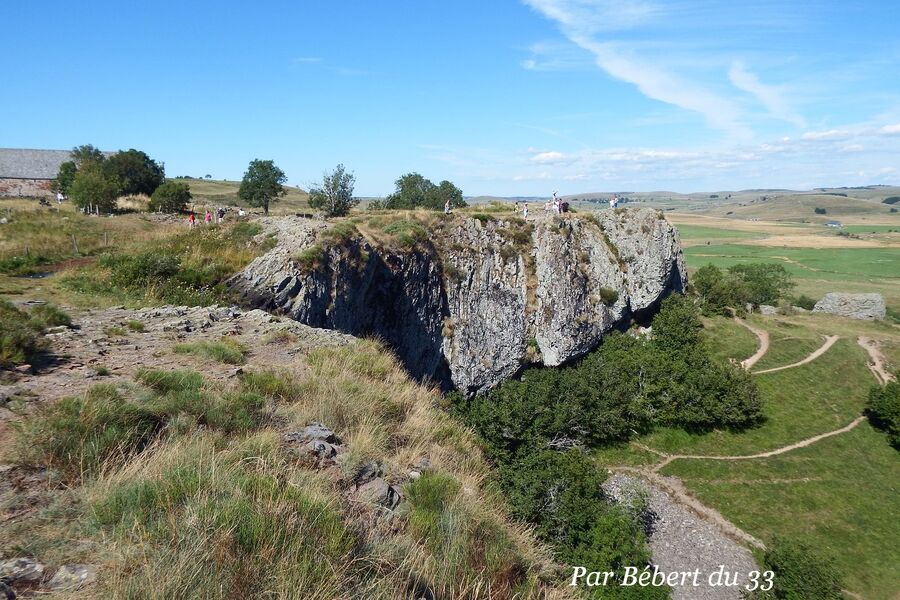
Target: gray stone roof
x: 20, y: 163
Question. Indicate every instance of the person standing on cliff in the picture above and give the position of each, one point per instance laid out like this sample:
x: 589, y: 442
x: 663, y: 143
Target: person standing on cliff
x: 525, y: 210
x: 191, y: 220
x: 447, y: 209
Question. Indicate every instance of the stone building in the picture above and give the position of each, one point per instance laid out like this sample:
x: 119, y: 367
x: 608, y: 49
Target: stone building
x: 29, y: 173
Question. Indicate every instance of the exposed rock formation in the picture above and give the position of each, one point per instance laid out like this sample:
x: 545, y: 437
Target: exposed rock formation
x: 481, y: 298
x: 853, y: 306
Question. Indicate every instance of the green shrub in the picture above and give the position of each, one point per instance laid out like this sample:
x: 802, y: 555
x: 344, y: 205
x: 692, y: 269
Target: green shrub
x: 134, y: 325
x: 804, y: 302
x: 80, y: 435
x: 891, y: 200
x: 484, y: 218
x: 226, y: 350
x: 608, y: 296
x: 820, y: 211
x: 277, y: 386
x: 800, y: 573
x: 48, y: 315
x: 310, y: 258
x: 748, y: 283
x: 406, y: 233
x: 883, y: 409
x: 171, y: 197
x: 20, y: 336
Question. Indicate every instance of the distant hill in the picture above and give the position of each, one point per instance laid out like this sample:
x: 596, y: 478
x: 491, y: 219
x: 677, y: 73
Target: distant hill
x: 210, y: 192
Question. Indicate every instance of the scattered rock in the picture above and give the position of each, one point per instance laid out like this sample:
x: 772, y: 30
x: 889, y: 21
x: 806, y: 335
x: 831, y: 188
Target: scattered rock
x: 368, y: 472
x: 765, y: 309
x: 21, y: 570
x: 70, y: 577
x: 23, y: 369
x: 313, y: 431
x: 379, y: 492
x: 7, y: 592
x: 853, y: 306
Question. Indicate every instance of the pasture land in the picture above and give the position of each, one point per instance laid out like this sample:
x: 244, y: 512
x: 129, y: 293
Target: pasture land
x: 841, y: 492
x: 209, y: 193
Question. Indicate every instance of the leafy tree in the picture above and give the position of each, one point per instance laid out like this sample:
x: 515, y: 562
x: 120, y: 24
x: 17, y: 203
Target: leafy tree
x: 717, y: 291
x: 801, y: 573
x: 263, y: 183
x: 335, y: 196
x: 884, y: 410
x: 820, y: 211
x: 86, y: 154
x: 134, y: 172
x: 765, y: 282
x: 413, y: 190
x: 65, y: 177
x: 91, y: 188
x: 171, y: 197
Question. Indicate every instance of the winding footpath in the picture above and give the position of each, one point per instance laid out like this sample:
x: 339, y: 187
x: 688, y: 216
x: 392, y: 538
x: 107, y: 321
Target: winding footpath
x: 676, y: 527
x: 829, y: 342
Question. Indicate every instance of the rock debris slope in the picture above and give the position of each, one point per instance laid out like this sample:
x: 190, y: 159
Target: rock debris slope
x: 476, y: 299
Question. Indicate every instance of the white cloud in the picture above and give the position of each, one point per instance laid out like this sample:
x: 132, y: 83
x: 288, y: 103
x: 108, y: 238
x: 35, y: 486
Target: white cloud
x: 307, y: 60
x: 581, y: 20
x: 831, y: 134
x: 853, y: 148
x: 551, y: 157
x: 890, y: 129
x: 769, y: 96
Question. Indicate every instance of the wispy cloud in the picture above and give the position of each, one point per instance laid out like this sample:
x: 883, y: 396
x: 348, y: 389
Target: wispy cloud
x: 831, y: 134
x: 301, y: 60
x: 890, y: 129
x: 581, y: 21
x: 769, y: 96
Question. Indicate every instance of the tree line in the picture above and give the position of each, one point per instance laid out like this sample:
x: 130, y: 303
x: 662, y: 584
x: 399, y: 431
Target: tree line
x: 94, y: 179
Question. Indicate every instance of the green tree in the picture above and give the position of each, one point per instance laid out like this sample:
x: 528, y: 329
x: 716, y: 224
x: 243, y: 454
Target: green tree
x: 801, y: 573
x: 92, y: 189
x: 765, y: 282
x: 171, y: 197
x: 86, y: 154
x: 884, y: 410
x: 413, y: 190
x: 65, y: 177
x: 134, y: 172
x: 263, y: 184
x: 335, y: 195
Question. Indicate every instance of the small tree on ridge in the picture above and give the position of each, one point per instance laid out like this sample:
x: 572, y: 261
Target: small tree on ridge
x: 263, y: 184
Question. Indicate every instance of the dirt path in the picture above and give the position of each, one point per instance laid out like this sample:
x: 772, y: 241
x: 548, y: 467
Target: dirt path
x: 877, y: 364
x: 763, y: 336
x: 668, y: 458
x: 829, y: 342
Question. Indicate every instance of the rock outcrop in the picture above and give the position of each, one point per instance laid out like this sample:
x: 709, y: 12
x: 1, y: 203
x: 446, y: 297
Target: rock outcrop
x: 853, y: 306
x: 479, y: 298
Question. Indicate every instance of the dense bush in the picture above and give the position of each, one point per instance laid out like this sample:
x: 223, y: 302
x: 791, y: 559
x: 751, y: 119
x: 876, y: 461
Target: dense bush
x: 883, y: 408
x: 748, y: 283
x: 92, y: 190
x: 134, y: 172
x: 800, y: 573
x: 804, y: 302
x: 820, y: 211
x: 891, y: 200
x: 413, y: 190
x: 21, y: 332
x: 627, y: 385
x: 559, y: 493
x: 170, y: 197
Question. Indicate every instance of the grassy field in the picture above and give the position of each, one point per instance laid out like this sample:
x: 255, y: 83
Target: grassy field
x: 212, y: 193
x: 841, y: 493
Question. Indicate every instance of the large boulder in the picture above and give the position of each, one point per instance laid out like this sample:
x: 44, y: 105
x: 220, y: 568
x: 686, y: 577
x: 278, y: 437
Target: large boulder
x: 480, y: 298
x: 853, y: 306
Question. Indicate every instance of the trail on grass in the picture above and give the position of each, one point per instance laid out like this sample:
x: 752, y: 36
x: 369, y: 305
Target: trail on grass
x: 829, y: 342
x: 668, y: 458
x: 877, y: 366
x: 763, y: 336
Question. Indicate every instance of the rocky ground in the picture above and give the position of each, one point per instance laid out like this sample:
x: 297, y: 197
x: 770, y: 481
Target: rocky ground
x: 102, y: 347
x: 682, y: 541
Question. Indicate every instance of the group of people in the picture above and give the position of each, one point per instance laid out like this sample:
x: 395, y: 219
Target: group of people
x: 556, y: 204
x: 208, y: 218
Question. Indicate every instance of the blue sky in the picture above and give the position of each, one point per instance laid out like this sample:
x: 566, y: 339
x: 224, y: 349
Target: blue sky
x: 502, y: 97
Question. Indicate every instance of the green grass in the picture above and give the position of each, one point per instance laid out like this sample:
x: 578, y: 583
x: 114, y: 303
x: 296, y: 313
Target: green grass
x: 727, y: 339
x: 871, y: 228
x: 226, y: 350
x: 798, y: 403
x: 702, y: 233
x: 840, y: 494
x: 788, y: 343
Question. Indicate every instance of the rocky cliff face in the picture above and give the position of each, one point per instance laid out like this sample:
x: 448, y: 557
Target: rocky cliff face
x: 478, y: 299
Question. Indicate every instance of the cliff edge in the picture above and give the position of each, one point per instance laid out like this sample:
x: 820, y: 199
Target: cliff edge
x: 467, y: 300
